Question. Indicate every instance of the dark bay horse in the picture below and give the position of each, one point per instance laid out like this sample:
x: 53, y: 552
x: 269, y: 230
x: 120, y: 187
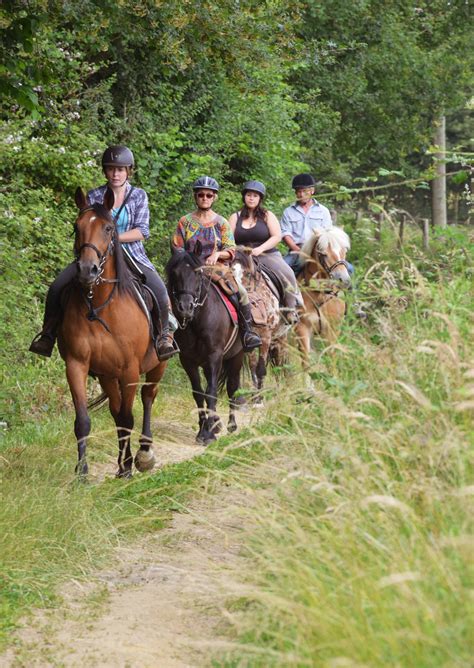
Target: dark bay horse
x: 324, y: 274
x: 106, y: 332
x: 207, y: 338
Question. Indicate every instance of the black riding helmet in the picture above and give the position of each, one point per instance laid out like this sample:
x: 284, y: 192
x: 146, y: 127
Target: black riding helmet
x: 118, y: 156
x: 256, y: 186
x: 206, y: 182
x: 303, y: 181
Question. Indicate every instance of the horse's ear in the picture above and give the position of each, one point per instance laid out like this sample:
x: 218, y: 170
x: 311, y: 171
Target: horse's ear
x: 80, y: 199
x: 109, y: 199
x: 197, y: 248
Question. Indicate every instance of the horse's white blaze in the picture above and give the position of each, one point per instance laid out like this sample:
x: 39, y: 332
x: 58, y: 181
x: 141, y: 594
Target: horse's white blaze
x: 93, y: 218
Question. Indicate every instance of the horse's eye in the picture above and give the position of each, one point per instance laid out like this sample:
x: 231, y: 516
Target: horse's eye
x: 108, y: 229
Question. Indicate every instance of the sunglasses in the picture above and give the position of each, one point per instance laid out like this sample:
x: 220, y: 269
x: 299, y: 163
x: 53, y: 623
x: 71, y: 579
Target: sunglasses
x: 205, y: 195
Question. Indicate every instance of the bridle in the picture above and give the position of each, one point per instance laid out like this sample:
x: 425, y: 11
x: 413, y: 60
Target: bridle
x: 92, y: 315
x: 322, y: 261
x: 196, y: 297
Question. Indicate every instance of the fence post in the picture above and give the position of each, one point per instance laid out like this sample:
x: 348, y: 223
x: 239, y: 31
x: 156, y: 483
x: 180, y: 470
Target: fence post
x: 425, y: 227
x: 333, y: 213
x: 378, y: 227
x: 401, y: 230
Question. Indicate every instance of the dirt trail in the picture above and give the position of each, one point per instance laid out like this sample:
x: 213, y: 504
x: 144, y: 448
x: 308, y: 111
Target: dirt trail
x: 158, y: 606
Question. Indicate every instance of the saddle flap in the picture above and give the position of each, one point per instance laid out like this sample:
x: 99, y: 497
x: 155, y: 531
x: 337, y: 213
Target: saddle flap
x: 258, y: 309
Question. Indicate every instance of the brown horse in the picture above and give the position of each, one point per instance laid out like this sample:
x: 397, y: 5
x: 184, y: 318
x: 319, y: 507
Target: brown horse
x: 104, y: 331
x: 266, y: 316
x: 325, y: 272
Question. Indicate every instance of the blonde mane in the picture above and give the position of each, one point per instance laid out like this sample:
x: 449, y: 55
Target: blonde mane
x: 332, y: 236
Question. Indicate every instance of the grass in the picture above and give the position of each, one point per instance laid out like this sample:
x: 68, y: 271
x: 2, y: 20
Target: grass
x: 359, y: 554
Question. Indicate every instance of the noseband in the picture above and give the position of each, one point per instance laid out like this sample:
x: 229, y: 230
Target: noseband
x: 322, y: 259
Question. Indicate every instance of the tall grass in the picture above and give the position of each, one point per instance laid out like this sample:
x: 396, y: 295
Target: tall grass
x: 360, y: 552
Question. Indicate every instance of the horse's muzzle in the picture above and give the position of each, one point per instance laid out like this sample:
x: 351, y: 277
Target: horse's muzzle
x: 341, y: 274
x: 87, y: 272
x: 185, y: 307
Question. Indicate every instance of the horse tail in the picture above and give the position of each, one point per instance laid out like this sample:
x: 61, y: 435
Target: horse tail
x: 98, y: 402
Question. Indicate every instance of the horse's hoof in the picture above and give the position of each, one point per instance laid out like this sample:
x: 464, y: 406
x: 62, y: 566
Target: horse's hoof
x: 144, y: 460
x: 231, y: 427
x: 217, y: 426
x: 81, y: 470
x: 124, y: 475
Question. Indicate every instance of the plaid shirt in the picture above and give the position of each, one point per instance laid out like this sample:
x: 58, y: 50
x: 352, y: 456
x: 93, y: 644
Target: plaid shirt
x: 138, y: 217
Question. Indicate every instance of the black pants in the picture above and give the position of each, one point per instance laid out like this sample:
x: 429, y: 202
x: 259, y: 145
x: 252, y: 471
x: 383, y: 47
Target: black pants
x: 152, y: 280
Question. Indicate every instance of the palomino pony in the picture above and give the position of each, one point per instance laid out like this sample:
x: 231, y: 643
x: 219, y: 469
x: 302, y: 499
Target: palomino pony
x: 324, y: 274
x: 266, y: 316
x: 207, y: 337
x: 104, y: 331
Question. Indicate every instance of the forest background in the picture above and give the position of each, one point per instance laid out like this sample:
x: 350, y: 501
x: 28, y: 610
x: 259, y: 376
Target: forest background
x: 234, y: 89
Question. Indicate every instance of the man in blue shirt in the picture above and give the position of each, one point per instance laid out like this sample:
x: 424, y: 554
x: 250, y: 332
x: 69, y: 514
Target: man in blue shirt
x: 301, y: 218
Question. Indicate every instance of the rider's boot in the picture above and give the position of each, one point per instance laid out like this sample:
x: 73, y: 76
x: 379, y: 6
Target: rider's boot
x: 250, y: 340
x: 165, y: 345
x: 43, y: 343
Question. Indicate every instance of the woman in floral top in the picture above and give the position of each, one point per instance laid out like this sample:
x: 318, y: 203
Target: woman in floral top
x: 217, y: 243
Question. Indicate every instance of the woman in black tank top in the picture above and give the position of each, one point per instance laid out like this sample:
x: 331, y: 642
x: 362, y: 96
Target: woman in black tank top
x: 259, y: 229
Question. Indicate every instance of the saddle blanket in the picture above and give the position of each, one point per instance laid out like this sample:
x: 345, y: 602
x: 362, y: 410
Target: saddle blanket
x: 231, y: 310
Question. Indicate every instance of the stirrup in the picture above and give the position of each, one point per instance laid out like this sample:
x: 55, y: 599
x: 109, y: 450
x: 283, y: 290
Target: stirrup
x: 254, y: 342
x: 170, y: 348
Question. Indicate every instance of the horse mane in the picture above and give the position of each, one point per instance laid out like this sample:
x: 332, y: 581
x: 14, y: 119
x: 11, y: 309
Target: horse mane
x: 332, y: 236
x: 124, y: 275
x: 245, y: 258
x: 179, y: 256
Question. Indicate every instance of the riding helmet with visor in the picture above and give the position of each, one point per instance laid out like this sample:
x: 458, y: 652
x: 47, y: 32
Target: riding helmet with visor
x: 118, y: 156
x: 303, y: 181
x: 256, y: 186
x: 206, y: 182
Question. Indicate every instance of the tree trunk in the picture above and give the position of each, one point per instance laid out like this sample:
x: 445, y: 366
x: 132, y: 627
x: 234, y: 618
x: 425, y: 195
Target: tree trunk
x: 438, y: 184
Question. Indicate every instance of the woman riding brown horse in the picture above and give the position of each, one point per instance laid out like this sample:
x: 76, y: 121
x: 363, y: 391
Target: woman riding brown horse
x: 105, y: 331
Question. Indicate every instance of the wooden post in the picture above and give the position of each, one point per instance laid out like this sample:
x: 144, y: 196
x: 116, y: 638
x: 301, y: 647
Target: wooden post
x: 425, y: 227
x: 333, y: 213
x: 438, y: 184
x: 378, y: 226
x: 401, y: 230
x: 358, y: 217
